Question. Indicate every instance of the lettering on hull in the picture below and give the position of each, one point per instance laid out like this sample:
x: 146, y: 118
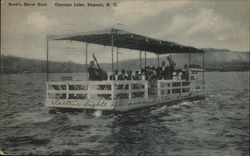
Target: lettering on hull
x: 132, y: 103
x: 78, y: 103
x: 122, y: 105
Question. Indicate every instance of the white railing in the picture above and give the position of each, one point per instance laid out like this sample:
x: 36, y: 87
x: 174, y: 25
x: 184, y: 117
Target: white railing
x: 114, y: 90
x: 130, y: 89
x: 105, y: 90
x: 173, y: 87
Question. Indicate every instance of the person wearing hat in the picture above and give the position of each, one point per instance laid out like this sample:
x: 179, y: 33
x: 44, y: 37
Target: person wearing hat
x: 158, y: 73
x: 153, y: 73
x: 143, y: 74
x: 137, y: 76
x: 92, y: 71
x: 171, y: 68
x: 171, y: 62
x: 122, y: 76
x: 164, y: 70
x: 129, y: 75
x: 114, y: 76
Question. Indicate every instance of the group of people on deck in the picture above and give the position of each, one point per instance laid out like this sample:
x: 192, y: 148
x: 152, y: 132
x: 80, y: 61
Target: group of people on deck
x: 165, y: 71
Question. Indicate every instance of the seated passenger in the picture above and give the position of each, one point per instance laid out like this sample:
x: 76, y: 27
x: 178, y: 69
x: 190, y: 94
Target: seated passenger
x: 143, y: 75
x: 122, y: 76
x: 147, y: 72
x: 178, y: 75
x: 137, y: 76
x: 129, y: 75
x: 185, y: 73
x: 114, y: 76
x: 158, y: 73
x: 153, y: 73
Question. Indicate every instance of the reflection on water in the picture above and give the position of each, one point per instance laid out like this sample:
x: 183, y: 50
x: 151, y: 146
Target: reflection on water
x: 217, y: 125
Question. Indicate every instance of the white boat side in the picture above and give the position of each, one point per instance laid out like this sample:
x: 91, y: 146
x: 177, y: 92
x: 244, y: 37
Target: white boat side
x: 119, y: 95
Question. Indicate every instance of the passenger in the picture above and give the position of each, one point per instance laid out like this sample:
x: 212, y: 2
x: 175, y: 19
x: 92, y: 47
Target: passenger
x: 93, y: 72
x: 177, y: 74
x: 147, y: 72
x: 158, y: 73
x: 137, y: 76
x: 129, y: 75
x: 185, y: 74
x: 171, y: 68
x: 164, y: 70
x: 180, y: 75
x: 153, y: 73
x: 114, y: 76
x: 143, y: 74
x: 122, y: 76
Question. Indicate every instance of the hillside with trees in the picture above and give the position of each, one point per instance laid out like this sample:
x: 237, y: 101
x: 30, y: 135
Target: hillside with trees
x: 220, y: 60
x: 16, y: 65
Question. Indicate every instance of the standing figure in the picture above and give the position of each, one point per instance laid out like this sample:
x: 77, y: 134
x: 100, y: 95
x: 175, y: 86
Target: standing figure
x: 101, y: 74
x: 170, y: 68
x: 158, y: 73
x: 164, y: 70
x: 143, y: 74
x: 93, y: 72
x: 185, y: 73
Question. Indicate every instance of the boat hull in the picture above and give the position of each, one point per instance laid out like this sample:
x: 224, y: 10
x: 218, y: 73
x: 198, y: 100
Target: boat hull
x: 119, y: 95
x: 116, y: 105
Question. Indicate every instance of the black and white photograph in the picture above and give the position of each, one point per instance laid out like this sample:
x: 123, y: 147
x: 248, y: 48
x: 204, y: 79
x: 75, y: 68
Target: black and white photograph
x: 123, y: 77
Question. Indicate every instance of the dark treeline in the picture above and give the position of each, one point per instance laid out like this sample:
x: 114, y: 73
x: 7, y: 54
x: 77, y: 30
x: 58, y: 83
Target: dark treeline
x: 214, y: 61
x: 234, y: 66
x: 15, y: 65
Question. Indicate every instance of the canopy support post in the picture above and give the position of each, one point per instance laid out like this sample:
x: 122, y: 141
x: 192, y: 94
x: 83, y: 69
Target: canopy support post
x: 86, y: 61
x: 140, y: 60
x: 117, y: 65
x: 158, y: 60
x: 112, y: 50
x: 47, y: 65
x: 145, y: 59
x: 189, y: 59
x: 203, y: 73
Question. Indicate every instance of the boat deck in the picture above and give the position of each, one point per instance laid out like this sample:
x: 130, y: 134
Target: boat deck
x: 118, y: 95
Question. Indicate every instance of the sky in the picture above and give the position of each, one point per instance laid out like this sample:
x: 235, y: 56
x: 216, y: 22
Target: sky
x: 201, y: 24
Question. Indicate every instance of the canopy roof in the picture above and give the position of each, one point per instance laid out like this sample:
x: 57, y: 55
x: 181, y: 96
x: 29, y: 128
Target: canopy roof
x: 124, y: 39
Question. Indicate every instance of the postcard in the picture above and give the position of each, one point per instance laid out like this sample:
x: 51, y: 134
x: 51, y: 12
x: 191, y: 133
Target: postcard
x: 122, y: 77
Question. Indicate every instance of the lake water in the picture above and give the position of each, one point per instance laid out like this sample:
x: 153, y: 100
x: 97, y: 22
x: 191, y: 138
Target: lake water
x: 218, y: 125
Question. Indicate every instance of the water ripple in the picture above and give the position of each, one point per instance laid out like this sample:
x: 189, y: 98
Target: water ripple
x: 218, y: 125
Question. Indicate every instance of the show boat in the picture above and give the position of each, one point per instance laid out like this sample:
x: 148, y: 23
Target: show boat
x: 111, y: 95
